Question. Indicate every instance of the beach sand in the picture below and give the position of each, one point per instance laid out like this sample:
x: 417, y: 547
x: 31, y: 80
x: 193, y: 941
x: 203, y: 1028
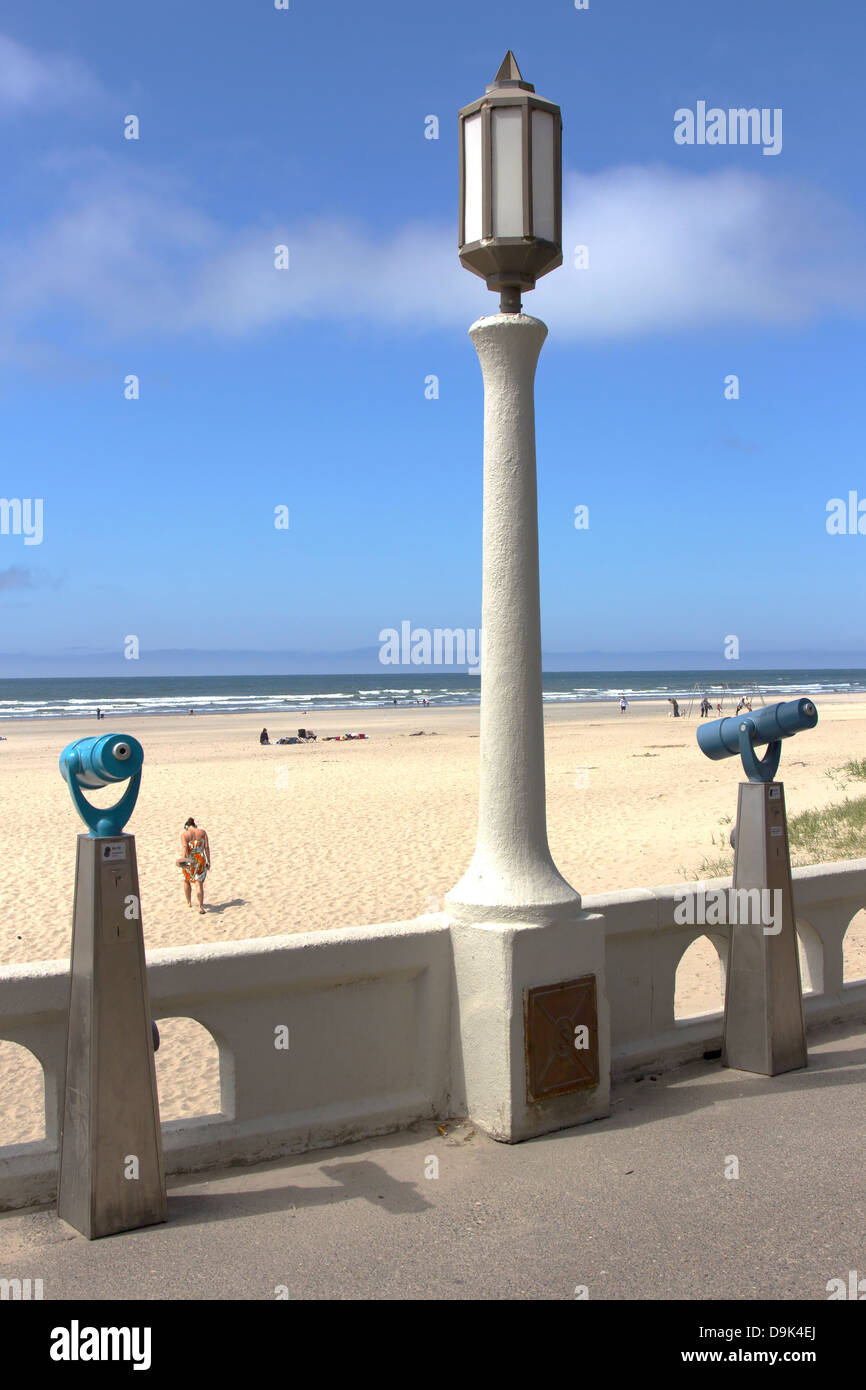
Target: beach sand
x: 309, y: 837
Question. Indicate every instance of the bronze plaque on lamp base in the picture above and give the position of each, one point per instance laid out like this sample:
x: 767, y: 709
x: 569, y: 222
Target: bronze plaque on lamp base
x: 561, y: 1029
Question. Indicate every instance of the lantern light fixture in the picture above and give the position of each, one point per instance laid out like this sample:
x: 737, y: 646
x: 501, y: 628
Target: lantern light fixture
x: 510, y: 186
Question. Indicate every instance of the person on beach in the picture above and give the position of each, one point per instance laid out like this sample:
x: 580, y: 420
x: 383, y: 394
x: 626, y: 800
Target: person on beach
x: 264, y: 736
x: 623, y: 704
x: 195, y: 848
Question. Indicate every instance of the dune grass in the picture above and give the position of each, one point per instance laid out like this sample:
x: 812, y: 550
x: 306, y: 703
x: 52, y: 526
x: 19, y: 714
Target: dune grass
x: 715, y: 866
x: 837, y: 832
x: 815, y: 837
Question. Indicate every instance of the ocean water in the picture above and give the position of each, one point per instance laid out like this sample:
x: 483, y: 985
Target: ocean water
x: 64, y: 697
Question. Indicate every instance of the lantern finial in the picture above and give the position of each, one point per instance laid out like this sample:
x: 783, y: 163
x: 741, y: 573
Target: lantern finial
x: 509, y: 71
x: 509, y: 75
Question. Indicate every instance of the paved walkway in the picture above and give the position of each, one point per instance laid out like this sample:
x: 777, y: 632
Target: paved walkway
x: 635, y: 1206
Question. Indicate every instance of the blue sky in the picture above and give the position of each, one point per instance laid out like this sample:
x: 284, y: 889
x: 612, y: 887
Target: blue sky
x: 306, y: 387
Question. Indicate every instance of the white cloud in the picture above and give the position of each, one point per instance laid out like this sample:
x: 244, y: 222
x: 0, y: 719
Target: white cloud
x: 667, y: 250
x: 670, y: 250
x: 31, y: 80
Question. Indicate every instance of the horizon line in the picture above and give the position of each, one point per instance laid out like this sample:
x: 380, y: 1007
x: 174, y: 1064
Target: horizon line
x: 443, y: 673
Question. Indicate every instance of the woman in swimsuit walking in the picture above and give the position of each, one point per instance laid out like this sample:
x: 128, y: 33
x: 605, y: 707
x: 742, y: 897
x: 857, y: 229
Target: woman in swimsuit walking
x: 195, y: 863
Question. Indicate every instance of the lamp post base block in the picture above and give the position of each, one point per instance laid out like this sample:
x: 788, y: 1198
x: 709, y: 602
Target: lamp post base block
x: 531, y: 1044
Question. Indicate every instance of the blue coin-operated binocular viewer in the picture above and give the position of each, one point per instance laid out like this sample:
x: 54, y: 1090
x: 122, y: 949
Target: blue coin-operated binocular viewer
x: 743, y: 733
x: 764, y: 1028
x: 110, y: 1103
x: 97, y: 762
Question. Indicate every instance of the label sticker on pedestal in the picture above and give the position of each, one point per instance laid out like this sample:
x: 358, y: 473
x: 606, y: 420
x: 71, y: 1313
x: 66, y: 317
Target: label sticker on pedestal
x: 775, y: 829
x: 111, y: 852
x: 774, y: 793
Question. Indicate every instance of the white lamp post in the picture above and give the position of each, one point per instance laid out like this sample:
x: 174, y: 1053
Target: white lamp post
x: 510, y: 234
x: 529, y: 965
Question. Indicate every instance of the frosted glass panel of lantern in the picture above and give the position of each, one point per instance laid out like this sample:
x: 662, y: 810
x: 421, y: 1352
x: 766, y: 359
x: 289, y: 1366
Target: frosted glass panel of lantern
x: 472, y: 179
x: 507, y: 171
x: 543, y: 176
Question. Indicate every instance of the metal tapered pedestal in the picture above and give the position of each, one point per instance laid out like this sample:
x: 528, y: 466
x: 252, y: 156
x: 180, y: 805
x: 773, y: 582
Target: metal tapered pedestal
x: 112, y: 1176
x: 764, y: 1027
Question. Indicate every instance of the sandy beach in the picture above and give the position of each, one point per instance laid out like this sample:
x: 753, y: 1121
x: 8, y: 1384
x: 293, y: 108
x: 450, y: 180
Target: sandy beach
x: 310, y: 837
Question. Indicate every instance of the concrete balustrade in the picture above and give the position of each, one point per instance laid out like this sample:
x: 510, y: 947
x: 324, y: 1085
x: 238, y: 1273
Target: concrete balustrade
x: 375, y: 1031
x: 644, y: 946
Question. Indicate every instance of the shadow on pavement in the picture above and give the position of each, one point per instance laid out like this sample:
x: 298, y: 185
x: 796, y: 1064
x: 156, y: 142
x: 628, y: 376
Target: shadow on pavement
x: 361, y: 1179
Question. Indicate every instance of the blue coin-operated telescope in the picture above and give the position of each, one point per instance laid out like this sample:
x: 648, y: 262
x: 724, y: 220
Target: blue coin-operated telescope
x: 743, y: 733
x: 764, y: 1029
x: 97, y: 762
